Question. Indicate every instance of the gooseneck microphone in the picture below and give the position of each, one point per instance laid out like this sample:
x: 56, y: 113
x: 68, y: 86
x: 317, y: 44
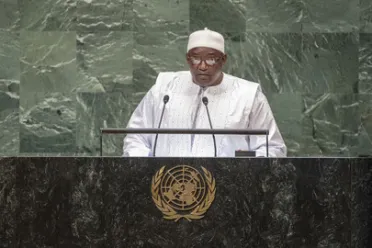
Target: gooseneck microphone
x: 165, y: 101
x: 205, y: 102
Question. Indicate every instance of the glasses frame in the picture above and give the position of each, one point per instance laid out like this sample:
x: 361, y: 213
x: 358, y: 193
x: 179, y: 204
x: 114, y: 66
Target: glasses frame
x: 217, y: 59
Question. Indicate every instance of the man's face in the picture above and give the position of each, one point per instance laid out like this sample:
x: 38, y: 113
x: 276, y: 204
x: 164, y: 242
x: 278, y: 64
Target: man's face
x: 206, y: 65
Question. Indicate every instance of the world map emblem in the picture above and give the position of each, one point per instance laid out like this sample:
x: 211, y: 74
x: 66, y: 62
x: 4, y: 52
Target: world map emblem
x: 183, y: 192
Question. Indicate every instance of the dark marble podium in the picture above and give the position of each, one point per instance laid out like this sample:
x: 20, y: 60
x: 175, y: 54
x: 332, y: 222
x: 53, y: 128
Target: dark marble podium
x: 259, y: 202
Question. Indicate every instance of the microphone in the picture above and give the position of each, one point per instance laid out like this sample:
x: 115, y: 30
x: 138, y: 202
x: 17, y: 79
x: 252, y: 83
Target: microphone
x: 165, y: 101
x: 205, y: 102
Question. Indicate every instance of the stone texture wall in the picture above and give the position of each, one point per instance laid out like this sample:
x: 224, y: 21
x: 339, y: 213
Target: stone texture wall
x: 68, y: 68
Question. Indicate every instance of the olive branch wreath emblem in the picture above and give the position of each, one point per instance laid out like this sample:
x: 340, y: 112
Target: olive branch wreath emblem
x: 170, y: 213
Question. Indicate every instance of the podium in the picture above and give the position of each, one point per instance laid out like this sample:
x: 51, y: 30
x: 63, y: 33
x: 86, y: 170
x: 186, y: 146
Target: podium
x: 258, y: 202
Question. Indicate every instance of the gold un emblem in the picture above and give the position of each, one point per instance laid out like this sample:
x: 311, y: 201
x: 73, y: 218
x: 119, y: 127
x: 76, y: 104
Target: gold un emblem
x: 182, y: 192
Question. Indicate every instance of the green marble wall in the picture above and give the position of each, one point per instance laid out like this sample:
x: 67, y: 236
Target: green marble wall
x: 68, y: 68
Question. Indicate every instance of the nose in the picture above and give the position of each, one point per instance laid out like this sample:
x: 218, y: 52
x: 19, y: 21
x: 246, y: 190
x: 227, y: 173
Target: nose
x: 203, y: 66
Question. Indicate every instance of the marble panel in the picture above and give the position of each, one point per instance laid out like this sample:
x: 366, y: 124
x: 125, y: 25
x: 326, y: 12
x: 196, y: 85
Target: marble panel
x: 104, y: 15
x: 9, y: 15
x: 365, y: 63
x: 161, y: 15
x: 331, y: 125
x: 330, y: 16
x: 156, y: 52
x: 9, y: 92
x: 272, y: 60
x: 330, y: 63
x: 48, y: 15
x: 102, y: 110
x: 104, y: 61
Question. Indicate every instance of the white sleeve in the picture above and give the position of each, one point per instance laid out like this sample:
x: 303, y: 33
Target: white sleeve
x: 261, y: 117
x: 140, y: 145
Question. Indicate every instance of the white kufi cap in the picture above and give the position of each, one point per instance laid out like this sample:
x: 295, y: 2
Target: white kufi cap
x: 206, y: 38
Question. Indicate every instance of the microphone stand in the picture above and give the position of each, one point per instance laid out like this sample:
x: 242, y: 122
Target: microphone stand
x: 165, y: 101
x: 205, y: 102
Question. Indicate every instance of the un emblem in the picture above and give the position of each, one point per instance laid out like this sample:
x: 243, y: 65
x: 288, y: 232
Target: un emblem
x: 182, y: 192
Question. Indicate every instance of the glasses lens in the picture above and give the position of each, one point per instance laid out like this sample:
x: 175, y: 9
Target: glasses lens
x: 211, y: 61
x: 208, y: 61
x: 195, y: 61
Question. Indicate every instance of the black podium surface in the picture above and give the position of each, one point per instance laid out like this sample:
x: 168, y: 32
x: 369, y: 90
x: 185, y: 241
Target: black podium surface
x: 258, y: 202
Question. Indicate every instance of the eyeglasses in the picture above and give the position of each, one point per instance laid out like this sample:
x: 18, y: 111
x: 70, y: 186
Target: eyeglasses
x: 197, y: 60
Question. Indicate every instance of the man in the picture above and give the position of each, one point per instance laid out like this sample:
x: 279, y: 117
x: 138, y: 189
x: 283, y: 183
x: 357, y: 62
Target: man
x: 233, y: 103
